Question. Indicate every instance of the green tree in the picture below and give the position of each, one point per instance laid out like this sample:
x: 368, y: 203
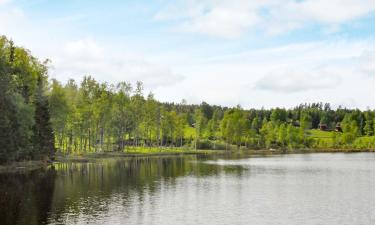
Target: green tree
x: 121, y: 122
x: 18, y: 86
x: 43, y: 136
x: 213, y: 127
x: 369, y: 128
x: 305, y: 121
x: 137, y: 102
x: 282, y: 135
x: 233, y: 126
x: 198, y: 126
x: 350, y: 129
x: 180, y: 129
x: 278, y: 115
x: 150, y: 122
x: 268, y: 134
x: 256, y: 124
x: 59, y: 111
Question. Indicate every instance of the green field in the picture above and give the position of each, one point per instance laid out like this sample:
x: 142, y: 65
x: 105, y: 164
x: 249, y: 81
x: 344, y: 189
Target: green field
x: 320, y: 134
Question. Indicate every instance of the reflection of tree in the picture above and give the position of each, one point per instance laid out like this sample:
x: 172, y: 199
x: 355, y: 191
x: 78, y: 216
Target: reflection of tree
x: 92, y: 189
x: 89, y: 188
x: 43, y: 194
x: 26, y: 198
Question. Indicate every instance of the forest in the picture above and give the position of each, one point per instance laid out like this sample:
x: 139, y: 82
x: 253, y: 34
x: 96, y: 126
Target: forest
x: 41, y: 116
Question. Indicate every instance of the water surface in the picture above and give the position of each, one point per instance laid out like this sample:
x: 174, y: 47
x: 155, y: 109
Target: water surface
x: 231, y: 189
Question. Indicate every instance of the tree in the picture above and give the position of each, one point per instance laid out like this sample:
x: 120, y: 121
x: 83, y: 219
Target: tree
x: 121, y: 121
x: 180, y: 128
x: 282, y: 135
x: 59, y: 111
x: 18, y: 77
x: 9, y: 126
x: 73, y: 121
x: 350, y: 129
x: 198, y: 125
x: 292, y: 137
x: 88, y: 94
x: 207, y: 110
x: 256, y: 124
x: 150, y: 122
x: 369, y: 128
x: 305, y: 121
x: 279, y: 115
x: 43, y: 136
x: 102, y: 109
x: 137, y: 101
x: 234, y: 126
x: 213, y: 127
x: 267, y: 133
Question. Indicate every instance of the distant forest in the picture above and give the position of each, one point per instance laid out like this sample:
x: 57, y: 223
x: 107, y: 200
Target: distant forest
x: 39, y: 116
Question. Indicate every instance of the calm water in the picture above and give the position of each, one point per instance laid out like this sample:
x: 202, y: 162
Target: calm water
x: 288, y: 189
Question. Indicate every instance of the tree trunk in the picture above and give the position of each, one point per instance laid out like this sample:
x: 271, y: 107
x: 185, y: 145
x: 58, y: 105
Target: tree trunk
x: 101, y: 138
x: 89, y: 142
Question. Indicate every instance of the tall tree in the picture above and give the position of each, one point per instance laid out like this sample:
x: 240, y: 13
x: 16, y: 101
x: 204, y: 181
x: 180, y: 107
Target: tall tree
x: 199, y: 125
x: 43, y: 136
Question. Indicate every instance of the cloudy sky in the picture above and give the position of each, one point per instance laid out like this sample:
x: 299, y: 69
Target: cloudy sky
x: 253, y: 53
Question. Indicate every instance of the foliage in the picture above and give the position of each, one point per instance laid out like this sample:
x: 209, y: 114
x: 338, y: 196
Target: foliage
x: 25, y: 130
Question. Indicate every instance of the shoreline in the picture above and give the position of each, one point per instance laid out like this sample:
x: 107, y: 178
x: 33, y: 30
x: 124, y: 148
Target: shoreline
x: 23, y: 166
x: 31, y: 165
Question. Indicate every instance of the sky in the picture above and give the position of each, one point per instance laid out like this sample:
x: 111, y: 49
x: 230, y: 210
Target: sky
x: 258, y: 53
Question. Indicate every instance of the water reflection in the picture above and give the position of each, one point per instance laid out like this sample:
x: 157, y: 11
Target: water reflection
x: 26, y: 198
x: 70, y: 190
x: 203, y: 189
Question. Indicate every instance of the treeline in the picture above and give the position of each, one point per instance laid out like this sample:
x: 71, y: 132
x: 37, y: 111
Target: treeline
x: 37, y: 115
x: 93, y: 116
x: 25, y: 129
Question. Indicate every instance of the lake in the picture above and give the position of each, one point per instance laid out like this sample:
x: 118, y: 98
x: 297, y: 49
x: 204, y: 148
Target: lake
x: 204, y: 189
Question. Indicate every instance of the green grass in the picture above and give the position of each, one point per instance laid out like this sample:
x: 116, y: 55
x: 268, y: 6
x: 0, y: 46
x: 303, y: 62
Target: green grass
x: 323, y: 139
x: 148, y: 150
x: 320, y: 134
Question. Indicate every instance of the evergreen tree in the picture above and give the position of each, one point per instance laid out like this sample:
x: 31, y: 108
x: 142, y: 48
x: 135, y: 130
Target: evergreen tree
x: 43, y: 135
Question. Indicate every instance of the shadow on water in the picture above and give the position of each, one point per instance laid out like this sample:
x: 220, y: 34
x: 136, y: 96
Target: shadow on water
x: 75, y: 189
x: 26, y: 198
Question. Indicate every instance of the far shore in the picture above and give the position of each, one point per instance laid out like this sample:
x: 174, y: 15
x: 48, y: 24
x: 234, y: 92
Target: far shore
x: 27, y: 166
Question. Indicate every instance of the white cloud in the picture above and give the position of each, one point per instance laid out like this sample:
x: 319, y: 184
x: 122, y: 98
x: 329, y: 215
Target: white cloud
x: 335, y: 11
x: 230, y: 18
x: 227, y: 20
x: 84, y: 48
x: 367, y: 64
x: 217, y: 18
x: 298, y: 81
x: 281, y: 76
x: 87, y: 57
x: 292, y: 14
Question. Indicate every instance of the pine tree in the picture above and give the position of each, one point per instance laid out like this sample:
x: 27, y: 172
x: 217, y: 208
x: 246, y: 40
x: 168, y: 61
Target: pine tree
x: 43, y: 136
x: 9, y: 132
